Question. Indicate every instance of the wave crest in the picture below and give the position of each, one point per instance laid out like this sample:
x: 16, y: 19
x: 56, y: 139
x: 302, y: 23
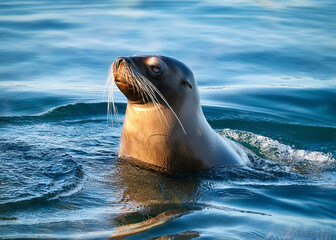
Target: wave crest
x: 275, y: 151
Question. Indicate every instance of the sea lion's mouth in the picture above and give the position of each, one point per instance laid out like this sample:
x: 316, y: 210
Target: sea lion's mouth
x: 124, y: 78
x: 126, y: 87
x: 117, y: 80
x: 122, y: 82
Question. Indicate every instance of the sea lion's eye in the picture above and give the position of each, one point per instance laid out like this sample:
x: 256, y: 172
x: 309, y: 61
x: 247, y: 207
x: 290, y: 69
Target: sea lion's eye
x: 155, y: 69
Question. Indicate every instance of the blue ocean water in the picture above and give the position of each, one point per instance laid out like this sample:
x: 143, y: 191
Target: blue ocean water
x: 266, y: 76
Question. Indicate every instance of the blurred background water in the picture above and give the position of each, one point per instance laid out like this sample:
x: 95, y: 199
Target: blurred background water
x: 266, y: 76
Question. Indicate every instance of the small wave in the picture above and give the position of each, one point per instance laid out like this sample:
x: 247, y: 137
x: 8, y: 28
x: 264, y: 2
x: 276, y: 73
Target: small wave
x: 80, y: 110
x: 70, y: 111
x: 76, y: 110
x: 274, y: 150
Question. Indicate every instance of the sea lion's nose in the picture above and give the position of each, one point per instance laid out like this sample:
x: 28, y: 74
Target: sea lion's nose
x: 118, y: 61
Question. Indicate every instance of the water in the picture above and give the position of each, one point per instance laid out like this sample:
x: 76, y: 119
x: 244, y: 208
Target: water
x: 266, y: 76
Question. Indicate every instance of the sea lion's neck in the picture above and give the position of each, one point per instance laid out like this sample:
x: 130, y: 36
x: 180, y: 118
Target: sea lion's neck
x: 150, y: 133
x: 155, y: 137
x: 148, y: 119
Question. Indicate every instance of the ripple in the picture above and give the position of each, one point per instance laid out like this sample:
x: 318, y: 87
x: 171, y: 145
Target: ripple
x: 235, y: 193
x: 30, y: 175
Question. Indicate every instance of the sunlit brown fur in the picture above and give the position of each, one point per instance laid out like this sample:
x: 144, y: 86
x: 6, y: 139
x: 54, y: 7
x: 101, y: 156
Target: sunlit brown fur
x: 164, y: 127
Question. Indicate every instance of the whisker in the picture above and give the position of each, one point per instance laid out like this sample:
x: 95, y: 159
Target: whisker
x: 151, y: 95
x: 164, y: 99
x: 109, y: 86
x: 153, y: 89
x: 144, y: 88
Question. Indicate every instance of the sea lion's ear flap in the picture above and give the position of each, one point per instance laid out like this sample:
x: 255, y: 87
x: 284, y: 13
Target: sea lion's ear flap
x: 187, y: 83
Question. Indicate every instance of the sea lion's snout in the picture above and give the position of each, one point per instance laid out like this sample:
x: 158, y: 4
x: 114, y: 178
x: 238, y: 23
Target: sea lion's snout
x: 126, y: 79
x: 118, y: 70
x: 118, y: 62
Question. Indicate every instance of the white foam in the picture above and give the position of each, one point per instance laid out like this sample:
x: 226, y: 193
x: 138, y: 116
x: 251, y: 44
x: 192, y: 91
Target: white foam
x: 276, y: 151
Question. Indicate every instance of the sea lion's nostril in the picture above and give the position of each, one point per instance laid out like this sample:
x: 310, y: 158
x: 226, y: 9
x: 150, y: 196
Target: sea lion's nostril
x: 118, y: 61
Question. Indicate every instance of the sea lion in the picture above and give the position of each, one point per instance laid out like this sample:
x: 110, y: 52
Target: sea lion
x: 164, y: 126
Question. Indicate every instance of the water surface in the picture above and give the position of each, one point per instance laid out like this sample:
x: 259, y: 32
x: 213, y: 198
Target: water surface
x: 266, y: 76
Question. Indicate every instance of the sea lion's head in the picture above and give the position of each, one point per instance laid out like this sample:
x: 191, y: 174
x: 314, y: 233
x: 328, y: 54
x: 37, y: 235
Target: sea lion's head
x: 145, y: 79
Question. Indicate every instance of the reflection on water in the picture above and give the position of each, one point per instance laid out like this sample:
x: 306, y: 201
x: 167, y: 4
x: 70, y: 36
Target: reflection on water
x: 140, y: 187
x: 151, y: 198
